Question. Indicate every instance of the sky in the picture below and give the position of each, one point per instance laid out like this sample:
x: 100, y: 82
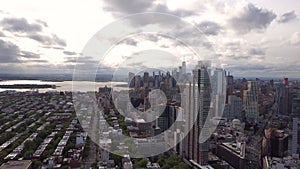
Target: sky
x: 257, y: 38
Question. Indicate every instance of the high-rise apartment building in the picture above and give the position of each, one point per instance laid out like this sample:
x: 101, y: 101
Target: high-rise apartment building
x: 183, y: 68
x: 283, y: 98
x: 219, y: 90
x: 250, y: 101
x: 295, y: 136
x: 235, y: 107
x: 198, y: 106
x: 229, y: 86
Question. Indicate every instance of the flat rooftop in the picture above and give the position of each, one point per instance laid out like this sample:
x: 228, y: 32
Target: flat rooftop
x: 21, y: 164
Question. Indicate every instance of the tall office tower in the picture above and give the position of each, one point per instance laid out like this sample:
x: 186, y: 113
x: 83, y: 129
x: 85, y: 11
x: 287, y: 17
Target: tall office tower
x: 131, y: 79
x: 235, y: 107
x: 279, y: 98
x: 180, y: 72
x: 283, y: 98
x: 295, y: 136
x: 174, y: 73
x: 199, y: 109
x: 250, y: 101
x: 229, y: 85
x: 287, y: 105
x: 146, y: 79
x: 219, y: 89
x: 138, y: 81
x: 183, y: 68
x: 296, y: 106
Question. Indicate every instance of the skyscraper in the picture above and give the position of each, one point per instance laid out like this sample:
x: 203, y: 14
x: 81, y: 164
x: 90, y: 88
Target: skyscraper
x: 235, y: 107
x: 219, y: 89
x: 295, y: 136
x: 283, y: 98
x: 229, y: 85
x: 250, y: 101
x: 199, y: 106
x: 183, y: 68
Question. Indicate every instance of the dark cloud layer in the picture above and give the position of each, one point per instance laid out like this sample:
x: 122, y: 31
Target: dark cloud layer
x: 47, y: 40
x: 127, y: 6
x: 27, y: 54
x: 22, y: 28
x: 11, y: 53
x: 8, y: 52
x: 119, y: 8
x: 20, y: 25
x: 257, y: 51
x: 252, y: 18
x: 287, y: 17
x: 69, y: 53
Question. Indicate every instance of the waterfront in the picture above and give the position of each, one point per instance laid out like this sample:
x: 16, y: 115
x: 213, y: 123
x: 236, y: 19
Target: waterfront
x: 82, y: 86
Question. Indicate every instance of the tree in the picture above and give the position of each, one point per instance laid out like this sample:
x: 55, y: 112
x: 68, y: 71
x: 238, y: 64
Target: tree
x: 181, y: 165
x: 94, y: 165
x: 116, y: 158
x: 161, y: 160
x: 141, y: 164
x: 28, y: 154
x: 36, y: 164
x: 64, y: 167
x: 29, y: 145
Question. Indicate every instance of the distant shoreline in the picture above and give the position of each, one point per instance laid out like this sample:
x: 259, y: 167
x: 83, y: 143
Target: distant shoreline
x: 28, y: 86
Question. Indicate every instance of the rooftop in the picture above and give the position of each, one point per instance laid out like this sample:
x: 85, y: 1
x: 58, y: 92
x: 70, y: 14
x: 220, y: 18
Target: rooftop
x: 21, y: 164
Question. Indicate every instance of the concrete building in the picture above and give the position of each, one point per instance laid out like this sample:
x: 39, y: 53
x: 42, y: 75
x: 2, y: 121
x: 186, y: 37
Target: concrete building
x: 21, y: 164
x: 233, y: 154
x: 219, y: 91
x: 199, y: 104
x: 250, y: 101
x: 295, y: 137
x: 279, y: 143
x: 235, y: 107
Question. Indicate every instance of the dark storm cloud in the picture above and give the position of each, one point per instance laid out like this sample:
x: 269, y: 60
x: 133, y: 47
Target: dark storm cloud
x: 287, y: 17
x: 47, y: 40
x: 20, y: 25
x: 257, y: 51
x: 69, y: 53
x: 209, y: 28
x: 252, y: 18
x: 8, y: 52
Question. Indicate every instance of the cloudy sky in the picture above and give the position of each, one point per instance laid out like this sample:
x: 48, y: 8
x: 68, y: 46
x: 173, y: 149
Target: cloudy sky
x: 250, y: 38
